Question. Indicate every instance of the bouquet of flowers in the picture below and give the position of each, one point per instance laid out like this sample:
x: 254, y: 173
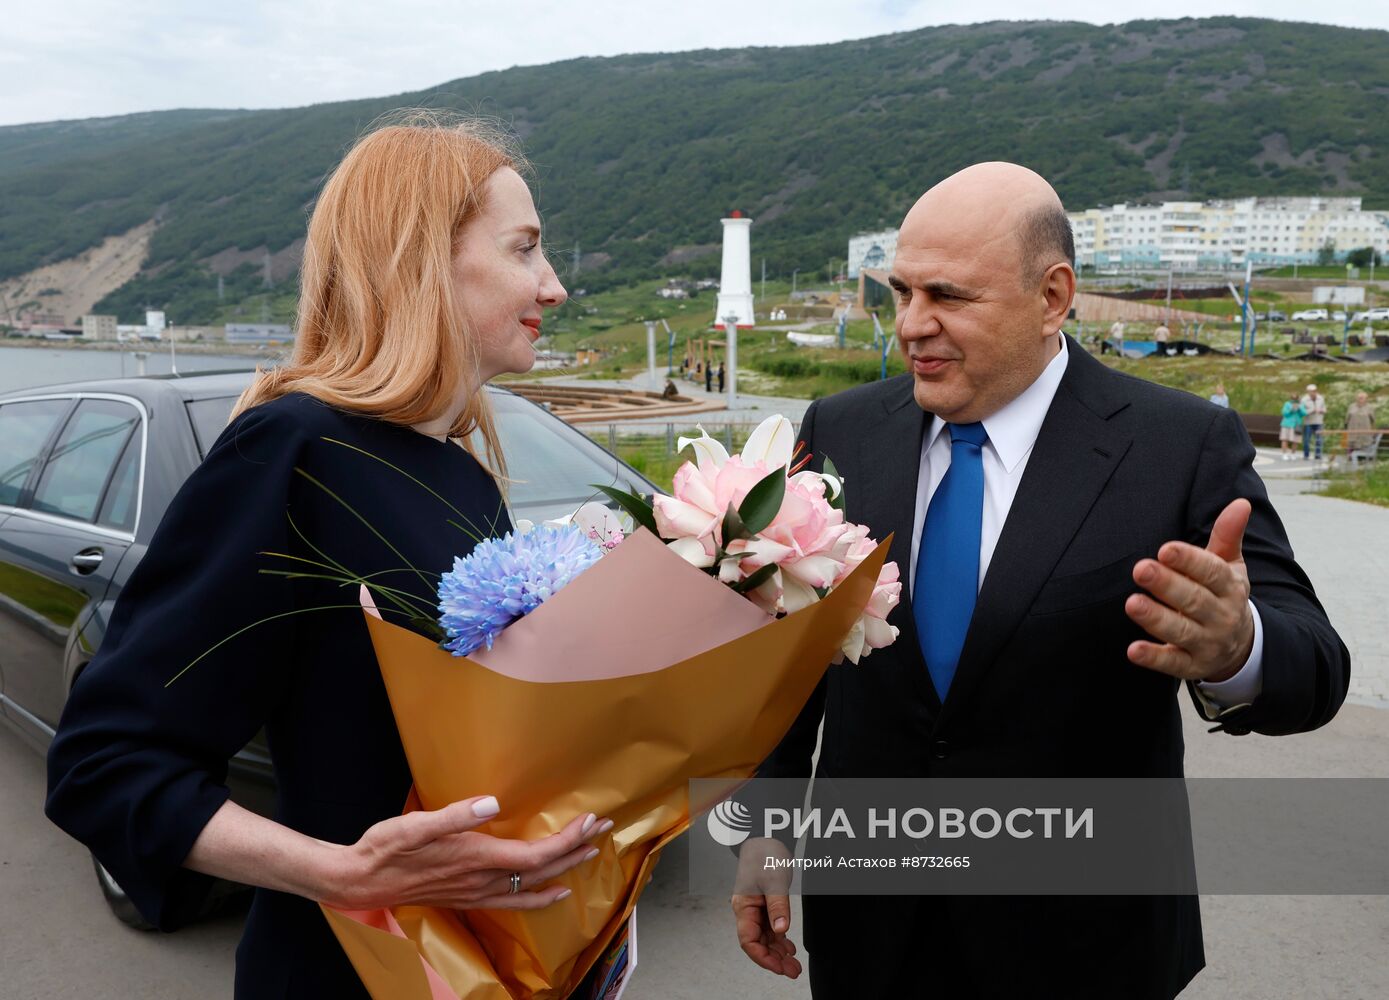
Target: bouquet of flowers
x: 776, y: 535
x: 599, y: 664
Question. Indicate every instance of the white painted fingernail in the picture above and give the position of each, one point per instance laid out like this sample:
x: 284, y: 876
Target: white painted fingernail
x: 593, y: 853
x: 607, y: 825
x: 487, y: 806
x: 564, y: 895
x: 589, y: 821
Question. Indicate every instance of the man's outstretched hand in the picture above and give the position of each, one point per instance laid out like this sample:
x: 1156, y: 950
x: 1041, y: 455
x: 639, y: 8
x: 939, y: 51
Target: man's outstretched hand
x: 1197, y: 604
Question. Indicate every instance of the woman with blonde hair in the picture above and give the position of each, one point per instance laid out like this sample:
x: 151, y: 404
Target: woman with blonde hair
x: 423, y: 277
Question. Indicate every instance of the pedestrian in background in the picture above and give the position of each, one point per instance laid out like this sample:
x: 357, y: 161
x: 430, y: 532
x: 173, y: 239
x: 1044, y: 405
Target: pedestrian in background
x: 1220, y: 397
x: 1313, y: 417
x: 1289, y: 426
x: 709, y: 377
x: 721, y: 376
x: 1360, y: 416
x: 1161, y: 336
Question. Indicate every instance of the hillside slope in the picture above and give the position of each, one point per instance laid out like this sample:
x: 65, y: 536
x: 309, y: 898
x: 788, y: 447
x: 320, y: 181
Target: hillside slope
x: 638, y: 156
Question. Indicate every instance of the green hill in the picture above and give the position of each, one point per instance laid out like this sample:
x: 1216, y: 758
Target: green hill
x: 638, y: 156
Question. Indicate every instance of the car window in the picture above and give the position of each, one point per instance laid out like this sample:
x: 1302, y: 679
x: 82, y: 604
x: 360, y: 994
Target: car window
x: 552, y: 466
x: 76, y: 473
x: 210, y: 418
x: 24, y: 428
x: 118, y: 508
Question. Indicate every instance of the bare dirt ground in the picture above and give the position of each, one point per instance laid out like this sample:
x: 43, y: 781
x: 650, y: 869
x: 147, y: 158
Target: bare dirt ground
x: 80, y: 281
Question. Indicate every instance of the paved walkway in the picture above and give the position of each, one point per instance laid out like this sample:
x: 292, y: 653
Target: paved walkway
x: 1344, y: 547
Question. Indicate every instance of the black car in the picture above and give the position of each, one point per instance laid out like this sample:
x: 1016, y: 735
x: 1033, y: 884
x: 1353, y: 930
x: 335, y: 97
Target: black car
x: 86, y: 472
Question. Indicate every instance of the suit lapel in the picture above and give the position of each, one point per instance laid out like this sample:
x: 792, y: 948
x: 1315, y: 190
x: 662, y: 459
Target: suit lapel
x: 892, y: 461
x: 1077, y: 451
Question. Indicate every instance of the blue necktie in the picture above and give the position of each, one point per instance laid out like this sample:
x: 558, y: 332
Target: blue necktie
x: 947, y: 563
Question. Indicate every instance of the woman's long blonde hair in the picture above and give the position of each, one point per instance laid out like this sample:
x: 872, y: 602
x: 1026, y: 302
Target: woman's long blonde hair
x: 378, y: 330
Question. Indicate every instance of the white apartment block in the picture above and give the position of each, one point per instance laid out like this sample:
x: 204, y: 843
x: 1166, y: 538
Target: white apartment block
x: 1186, y: 235
x: 871, y: 250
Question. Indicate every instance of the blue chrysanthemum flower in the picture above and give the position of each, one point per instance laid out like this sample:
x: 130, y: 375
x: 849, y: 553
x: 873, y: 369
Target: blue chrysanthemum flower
x: 505, y: 578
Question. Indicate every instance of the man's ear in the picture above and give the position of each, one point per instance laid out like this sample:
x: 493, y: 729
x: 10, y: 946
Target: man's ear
x: 1059, y: 290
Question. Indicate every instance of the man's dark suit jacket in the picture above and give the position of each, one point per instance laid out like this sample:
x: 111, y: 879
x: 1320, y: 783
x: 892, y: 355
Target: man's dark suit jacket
x: 1044, y: 687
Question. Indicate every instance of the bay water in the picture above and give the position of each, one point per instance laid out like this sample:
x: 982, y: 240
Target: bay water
x: 30, y: 367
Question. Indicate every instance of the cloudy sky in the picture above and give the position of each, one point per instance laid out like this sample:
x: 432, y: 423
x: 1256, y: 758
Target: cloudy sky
x: 85, y: 58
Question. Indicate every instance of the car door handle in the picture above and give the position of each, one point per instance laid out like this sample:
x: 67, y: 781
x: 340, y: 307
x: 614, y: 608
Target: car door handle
x: 86, y: 560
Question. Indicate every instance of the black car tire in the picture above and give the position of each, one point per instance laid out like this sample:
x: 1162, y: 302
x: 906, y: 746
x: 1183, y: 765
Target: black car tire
x: 224, y: 897
x: 119, y: 902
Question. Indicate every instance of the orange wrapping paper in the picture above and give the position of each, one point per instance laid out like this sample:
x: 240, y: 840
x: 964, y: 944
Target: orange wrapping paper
x: 696, y: 697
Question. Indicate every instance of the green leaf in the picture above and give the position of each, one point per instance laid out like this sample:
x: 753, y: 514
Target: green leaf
x: 471, y: 531
x: 763, y: 502
x: 755, y: 579
x: 284, y: 614
x: 638, y: 507
x: 837, y: 503
x: 733, y: 526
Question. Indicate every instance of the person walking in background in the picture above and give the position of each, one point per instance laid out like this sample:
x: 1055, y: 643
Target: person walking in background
x: 721, y: 376
x: 1360, y: 416
x: 1313, y: 417
x: 1220, y: 397
x: 1161, y: 336
x: 1289, y: 426
x: 709, y: 377
x: 1116, y: 333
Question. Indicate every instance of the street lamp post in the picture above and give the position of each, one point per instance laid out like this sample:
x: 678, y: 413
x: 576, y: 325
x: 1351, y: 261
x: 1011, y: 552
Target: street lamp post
x: 1345, y: 329
x: 730, y: 329
x: 884, y: 344
x: 1247, y: 316
x: 651, y: 351
x: 793, y: 281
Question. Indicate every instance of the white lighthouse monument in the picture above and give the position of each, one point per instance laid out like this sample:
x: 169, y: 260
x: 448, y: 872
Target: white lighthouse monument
x: 735, y: 284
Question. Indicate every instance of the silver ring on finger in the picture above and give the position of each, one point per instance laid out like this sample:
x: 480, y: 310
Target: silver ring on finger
x: 515, y: 883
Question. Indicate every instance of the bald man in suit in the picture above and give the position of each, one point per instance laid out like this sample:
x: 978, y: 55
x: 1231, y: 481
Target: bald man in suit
x: 1077, y: 545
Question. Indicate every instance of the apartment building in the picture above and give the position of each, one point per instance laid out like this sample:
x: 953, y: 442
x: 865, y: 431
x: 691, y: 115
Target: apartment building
x: 1186, y: 235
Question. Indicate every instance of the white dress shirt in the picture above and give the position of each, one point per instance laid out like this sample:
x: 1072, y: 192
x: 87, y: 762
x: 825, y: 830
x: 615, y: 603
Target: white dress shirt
x: 1012, y: 433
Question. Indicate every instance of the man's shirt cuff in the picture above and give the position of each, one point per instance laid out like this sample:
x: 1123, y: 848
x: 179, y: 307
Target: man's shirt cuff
x: 1223, y: 697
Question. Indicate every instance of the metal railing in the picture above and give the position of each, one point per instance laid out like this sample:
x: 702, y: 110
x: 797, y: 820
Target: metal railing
x: 651, y: 447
